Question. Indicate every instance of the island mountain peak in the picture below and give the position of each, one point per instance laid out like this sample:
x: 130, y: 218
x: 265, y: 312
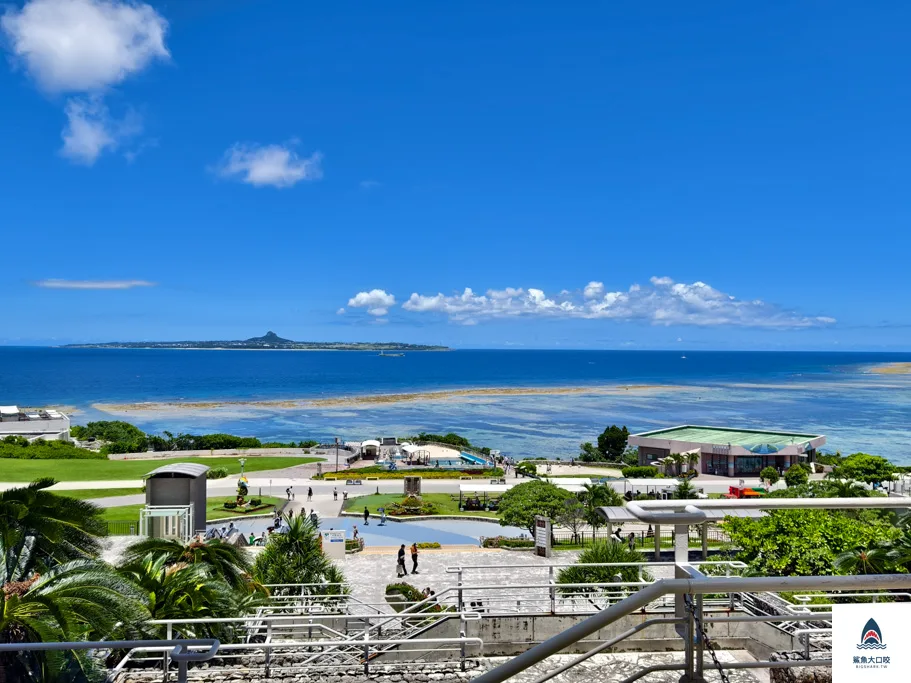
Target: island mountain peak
x: 269, y: 338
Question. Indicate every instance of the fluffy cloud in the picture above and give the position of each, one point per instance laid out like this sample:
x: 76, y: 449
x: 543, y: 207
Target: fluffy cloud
x: 664, y: 302
x: 92, y: 284
x: 275, y: 165
x: 376, y: 301
x: 90, y: 130
x: 86, y: 46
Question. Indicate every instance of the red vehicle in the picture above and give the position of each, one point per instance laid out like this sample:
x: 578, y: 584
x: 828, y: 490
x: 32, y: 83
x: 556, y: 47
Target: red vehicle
x: 745, y: 492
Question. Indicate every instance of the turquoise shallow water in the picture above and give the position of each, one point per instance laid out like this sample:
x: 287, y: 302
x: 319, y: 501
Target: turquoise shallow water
x: 828, y: 393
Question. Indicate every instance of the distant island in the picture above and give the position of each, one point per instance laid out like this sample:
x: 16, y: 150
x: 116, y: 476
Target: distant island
x: 269, y: 341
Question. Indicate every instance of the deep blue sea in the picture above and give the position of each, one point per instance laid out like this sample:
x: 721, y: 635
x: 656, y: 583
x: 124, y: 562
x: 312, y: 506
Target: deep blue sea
x: 828, y: 393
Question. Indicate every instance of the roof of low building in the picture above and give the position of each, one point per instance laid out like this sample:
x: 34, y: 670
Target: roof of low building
x: 746, y: 438
x: 180, y: 469
x: 620, y: 515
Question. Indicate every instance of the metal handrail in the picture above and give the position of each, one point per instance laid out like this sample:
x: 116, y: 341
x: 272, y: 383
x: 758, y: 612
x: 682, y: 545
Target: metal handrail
x: 664, y: 587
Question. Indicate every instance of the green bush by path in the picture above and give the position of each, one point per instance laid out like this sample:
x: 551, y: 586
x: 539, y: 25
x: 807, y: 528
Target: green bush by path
x: 443, y: 503
x: 113, y: 470
x: 383, y: 473
x: 640, y: 472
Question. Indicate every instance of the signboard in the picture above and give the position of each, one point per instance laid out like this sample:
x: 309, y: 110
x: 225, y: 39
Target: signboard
x: 870, y: 643
x: 319, y: 469
x: 333, y: 543
x: 413, y: 486
x: 542, y: 536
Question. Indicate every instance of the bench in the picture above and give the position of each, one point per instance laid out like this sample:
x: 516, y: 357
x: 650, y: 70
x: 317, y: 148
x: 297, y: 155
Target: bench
x: 372, y: 479
x: 352, y: 482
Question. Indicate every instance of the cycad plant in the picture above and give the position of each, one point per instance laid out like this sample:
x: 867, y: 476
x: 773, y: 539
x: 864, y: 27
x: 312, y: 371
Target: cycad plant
x: 874, y: 560
x: 78, y: 600
x: 183, y: 591
x: 60, y: 528
x: 296, y: 556
x: 230, y: 562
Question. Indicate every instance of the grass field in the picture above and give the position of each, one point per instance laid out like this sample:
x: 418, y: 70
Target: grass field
x: 111, y: 470
x: 445, y: 505
x: 86, y: 494
x: 214, y: 509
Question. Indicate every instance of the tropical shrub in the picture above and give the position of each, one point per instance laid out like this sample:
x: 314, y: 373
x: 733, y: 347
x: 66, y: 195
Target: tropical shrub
x: 796, y: 476
x: 217, y: 473
x: 504, y: 542
x: 769, y: 474
x: 230, y: 505
x: 230, y: 562
x: 640, y: 472
x: 602, y: 552
x: 412, y: 505
x: 429, y: 545
x: 296, y: 556
x: 870, y: 469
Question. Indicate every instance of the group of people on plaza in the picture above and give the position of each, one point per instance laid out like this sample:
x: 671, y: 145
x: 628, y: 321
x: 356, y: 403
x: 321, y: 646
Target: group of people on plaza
x: 401, y: 570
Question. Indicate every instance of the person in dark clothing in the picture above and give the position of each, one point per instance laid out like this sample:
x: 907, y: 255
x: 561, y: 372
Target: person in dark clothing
x: 310, y: 493
x: 401, y: 562
x: 366, y: 517
x: 414, y: 558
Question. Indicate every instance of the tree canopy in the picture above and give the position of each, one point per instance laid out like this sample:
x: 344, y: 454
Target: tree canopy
x: 520, y: 504
x: 796, y: 476
x: 870, y: 469
x: 804, y: 542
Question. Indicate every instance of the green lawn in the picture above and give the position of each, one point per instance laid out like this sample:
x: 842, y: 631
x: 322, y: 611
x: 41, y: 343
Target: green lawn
x: 214, y: 509
x: 108, y: 470
x: 445, y: 504
x: 85, y: 494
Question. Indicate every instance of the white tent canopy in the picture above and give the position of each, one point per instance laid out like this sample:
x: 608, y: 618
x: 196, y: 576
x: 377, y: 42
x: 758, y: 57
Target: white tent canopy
x: 370, y: 442
x: 411, y: 449
x: 570, y: 481
x: 484, y: 488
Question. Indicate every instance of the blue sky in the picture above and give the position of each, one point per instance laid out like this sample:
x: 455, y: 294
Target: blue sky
x: 603, y: 175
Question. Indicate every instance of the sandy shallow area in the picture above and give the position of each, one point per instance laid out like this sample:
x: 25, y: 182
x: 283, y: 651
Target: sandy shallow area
x: 892, y: 369
x: 379, y: 399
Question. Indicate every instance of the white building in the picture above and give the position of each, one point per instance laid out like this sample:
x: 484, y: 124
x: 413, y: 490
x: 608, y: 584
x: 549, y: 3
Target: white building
x: 50, y: 425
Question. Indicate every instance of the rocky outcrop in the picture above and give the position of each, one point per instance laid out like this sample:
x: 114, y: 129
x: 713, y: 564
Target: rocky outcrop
x: 798, y: 674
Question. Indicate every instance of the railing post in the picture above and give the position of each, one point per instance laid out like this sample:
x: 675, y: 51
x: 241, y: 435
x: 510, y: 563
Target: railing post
x: 553, y: 591
x: 169, y: 635
x: 806, y: 646
x: 459, y: 584
x: 267, y: 664
x: 657, y: 543
x: 366, y: 650
x: 462, y: 632
x: 705, y: 540
x: 700, y: 640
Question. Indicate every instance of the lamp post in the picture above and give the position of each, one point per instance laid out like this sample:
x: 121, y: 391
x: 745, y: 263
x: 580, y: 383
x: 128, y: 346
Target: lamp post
x: 242, y: 461
x: 336, y: 454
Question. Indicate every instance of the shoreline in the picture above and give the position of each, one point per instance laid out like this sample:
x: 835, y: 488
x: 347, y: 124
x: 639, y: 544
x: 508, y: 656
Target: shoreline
x: 380, y: 399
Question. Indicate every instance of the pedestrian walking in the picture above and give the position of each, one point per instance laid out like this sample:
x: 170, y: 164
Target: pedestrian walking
x: 288, y: 492
x: 400, y: 566
x: 366, y: 516
x: 344, y: 494
x: 335, y: 494
x: 631, y: 540
x: 414, y: 558
x: 310, y: 493
x: 355, y: 532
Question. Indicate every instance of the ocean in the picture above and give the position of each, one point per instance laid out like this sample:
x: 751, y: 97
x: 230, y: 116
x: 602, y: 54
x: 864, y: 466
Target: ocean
x: 579, y: 393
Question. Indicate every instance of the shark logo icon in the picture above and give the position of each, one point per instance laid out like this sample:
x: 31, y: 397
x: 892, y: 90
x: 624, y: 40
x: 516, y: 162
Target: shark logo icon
x: 872, y: 637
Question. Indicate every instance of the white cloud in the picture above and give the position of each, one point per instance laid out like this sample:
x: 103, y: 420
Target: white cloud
x: 340, y: 311
x: 84, y: 45
x: 90, y: 130
x: 92, y: 284
x: 665, y: 302
x: 593, y: 290
x: 275, y: 165
x: 376, y: 301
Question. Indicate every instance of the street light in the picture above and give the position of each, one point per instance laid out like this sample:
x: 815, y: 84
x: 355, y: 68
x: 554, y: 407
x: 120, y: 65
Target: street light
x: 336, y: 454
x: 242, y: 461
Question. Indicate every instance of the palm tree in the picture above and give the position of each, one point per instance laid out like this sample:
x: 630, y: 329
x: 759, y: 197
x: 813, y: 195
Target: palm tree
x: 61, y: 528
x: 296, y: 556
x: 597, y: 496
x: 863, y: 561
x: 78, y: 600
x: 230, y: 562
x: 692, y: 460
